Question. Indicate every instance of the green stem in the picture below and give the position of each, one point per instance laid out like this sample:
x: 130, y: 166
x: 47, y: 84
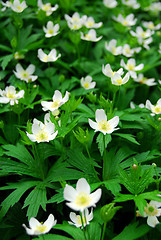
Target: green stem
x: 91, y: 162
x: 37, y: 158
x: 104, y: 230
x: 81, y: 215
x: 157, y: 178
x: 43, y: 237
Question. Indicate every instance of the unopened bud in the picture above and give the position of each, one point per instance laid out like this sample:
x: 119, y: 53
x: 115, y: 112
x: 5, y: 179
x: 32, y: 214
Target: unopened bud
x: 134, y: 166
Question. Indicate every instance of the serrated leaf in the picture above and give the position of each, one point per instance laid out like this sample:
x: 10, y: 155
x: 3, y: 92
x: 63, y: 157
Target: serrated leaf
x: 113, y: 185
x: 34, y: 200
x: 123, y: 198
x: 14, y: 197
x: 6, y: 60
x: 141, y: 203
x: 103, y: 141
x: 127, y: 136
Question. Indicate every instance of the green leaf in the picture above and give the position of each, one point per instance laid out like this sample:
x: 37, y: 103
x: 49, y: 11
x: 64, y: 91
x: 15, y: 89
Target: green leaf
x: 6, y: 60
x: 126, y: 136
x: 95, y: 230
x: 76, y: 233
x: 35, y: 199
x: 52, y: 237
x: 141, y: 203
x: 103, y: 141
x: 132, y: 232
x: 21, y: 153
x: 123, y: 198
x: 113, y: 185
x: 15, y: 196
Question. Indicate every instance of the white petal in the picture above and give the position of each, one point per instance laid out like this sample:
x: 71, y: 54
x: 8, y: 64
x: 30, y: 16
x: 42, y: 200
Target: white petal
x: 83, y: 186
x: 57, y: 95
x: 33, y: 222
x: 69, y: 193
x: 50, y: 222
x: 95, y: 196
x: 30, y: 69
x: 100, y: 115
x: 152, y: 221
x: 93, y: 124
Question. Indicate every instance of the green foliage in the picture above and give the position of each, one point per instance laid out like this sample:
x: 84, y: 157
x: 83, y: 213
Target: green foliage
x: 132, y: 231
x: 103, y: 141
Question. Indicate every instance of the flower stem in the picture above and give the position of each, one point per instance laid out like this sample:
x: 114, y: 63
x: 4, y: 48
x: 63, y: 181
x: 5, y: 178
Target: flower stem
x: 81, y: 215
x: 36, y: 155
x: 104, y: 230
x: 95, y: 173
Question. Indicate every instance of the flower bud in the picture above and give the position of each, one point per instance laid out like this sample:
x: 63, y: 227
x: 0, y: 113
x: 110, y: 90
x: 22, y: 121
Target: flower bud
x: 108, y: 211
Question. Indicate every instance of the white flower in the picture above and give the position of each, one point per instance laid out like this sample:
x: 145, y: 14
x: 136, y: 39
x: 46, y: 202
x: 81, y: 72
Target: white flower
x: 87, y: 83
x: 42, y: 132
x: 90, y: 36
x: 131, y: 3
x: 117, y: 80
x: 9, y: 95
x: 107, y: 71
x: 111, y: 47
x: 151, y: 25
x: 143, y: 37
x: 18, y: 6
x: 51, y: 57
x: 51, y: 29
x: 47, y: 7
x: 128, y: 21
x: 152, y: 211
x: 132, y: 105
x: 81, y: 198
x: 7, y: 4
x: 76, y: 219
x: 58, y: 100
x: 129, y: 52
x: 75, y: 22
x: 110, y: 3
x: 156, y: 109
x: 145, y: 80
x: 18, y: 55
x: 131, y: 66
x: 154, y: 7
x: 25, y: 75
x: 101, y: 124
x: 37, y: 228
x: 90, y: 23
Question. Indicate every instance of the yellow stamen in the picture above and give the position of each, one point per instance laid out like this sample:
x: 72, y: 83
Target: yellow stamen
x: 10, y: 94
x: 55, y: 104
x: 131, y: 67
x: 83, y: 200
x: 104, y: 126
x: 86, y: 85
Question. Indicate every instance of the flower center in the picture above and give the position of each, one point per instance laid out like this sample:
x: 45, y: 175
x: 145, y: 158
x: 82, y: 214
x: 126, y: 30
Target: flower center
x: 75, y: 26
x: 10, y: 95
x: 87, y: 36
x: 90, y: 23
x: 55, y: 104
x: 125, y: 22
x: 46, y: 7
x: 104, y: 126
x: 41, y: 136
x: 127, y: 50
x: 86, y: 85
x: 143, y: 34
x: 45, y: 58
x: 50, y: 31
x: 131, y: 67
x: 83, y: 200
x: 114, y: 49
x: 151, y: 25
x: 19, y: 8
x: 150, y: 211
x: 79, y: 221
x: 25, y: 74
x: 41, y: 228
x: 157, y: 109
x: 119, y: 81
